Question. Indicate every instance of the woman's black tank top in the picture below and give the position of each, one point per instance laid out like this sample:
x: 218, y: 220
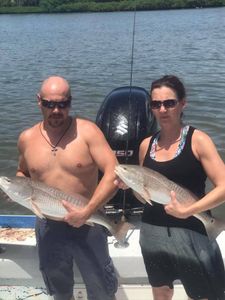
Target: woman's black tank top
x: 185, y: 170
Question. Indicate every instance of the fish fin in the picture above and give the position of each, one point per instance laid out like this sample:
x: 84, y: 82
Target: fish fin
x: 121, y: 229
x: 150, y: 202
x: 90, y: 223
x: 36, y: 209
x: 139, y: 197
x: 146, y: 195
x: 53, y: 218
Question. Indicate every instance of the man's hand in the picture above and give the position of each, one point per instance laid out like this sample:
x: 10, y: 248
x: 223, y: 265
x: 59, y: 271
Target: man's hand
x: 175, y: 208
x: 76, y: 217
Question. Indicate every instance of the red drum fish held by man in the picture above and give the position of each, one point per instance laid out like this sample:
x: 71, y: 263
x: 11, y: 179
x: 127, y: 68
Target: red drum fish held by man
x: 46, y: 202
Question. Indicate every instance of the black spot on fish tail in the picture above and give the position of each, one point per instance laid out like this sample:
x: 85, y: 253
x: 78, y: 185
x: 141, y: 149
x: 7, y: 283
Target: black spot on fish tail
x: 121, y: 229
x: 214, y: 228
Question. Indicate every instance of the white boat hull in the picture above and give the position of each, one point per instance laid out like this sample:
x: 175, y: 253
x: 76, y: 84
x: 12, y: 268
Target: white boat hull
x: 19, y: 270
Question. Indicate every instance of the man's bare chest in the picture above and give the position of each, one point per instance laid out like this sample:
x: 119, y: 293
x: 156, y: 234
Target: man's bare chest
x: 73, y: 157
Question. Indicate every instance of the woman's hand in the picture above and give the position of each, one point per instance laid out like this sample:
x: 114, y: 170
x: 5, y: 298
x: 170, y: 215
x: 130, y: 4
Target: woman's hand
x: 120, y: 184
x: 175, y: 208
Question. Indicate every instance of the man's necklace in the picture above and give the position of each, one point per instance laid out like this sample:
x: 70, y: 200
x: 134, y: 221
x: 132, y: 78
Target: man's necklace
x: 54, y: 147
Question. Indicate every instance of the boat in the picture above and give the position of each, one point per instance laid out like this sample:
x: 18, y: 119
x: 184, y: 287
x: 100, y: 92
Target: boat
x: 125, y: 119
x: 20, y: 277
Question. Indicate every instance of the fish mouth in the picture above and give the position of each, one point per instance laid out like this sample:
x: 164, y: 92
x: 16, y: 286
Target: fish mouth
x: 4, y: 183
x: 5, y: 179
x: 116, y: 172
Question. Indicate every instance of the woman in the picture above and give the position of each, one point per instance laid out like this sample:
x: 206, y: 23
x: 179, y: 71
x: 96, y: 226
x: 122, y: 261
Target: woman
x: 174, y: 244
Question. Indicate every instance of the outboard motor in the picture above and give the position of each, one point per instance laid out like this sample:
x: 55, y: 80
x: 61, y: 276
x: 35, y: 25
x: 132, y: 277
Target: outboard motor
x: 125, y: 119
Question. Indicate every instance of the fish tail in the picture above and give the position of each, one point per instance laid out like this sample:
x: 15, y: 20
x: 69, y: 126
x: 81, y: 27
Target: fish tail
x: 214, y: 227
x: 121, y: 229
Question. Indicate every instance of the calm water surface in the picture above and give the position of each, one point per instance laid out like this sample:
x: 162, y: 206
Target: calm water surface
x: 93, y: 51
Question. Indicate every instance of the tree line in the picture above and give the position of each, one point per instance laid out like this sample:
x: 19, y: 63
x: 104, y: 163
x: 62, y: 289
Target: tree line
x: 23, y: 6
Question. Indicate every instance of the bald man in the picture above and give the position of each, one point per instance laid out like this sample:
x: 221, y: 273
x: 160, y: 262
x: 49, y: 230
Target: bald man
x: 66, y: 153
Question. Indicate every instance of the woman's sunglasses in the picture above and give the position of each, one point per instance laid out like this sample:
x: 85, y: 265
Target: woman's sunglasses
x: 53, y: 104
x: 169, y: 103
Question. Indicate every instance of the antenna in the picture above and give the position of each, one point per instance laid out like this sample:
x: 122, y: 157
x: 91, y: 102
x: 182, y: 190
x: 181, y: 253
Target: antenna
x: 131, y: 82
x: 132, y: 50
x: 129, y: 100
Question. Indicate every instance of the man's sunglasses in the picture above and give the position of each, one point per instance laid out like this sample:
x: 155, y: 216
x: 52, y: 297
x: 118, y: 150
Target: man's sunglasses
x: 53, y: 104
x: 169, y: 103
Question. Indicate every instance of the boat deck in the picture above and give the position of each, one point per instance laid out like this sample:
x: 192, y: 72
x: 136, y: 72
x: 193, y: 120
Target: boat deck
x: 125, y: 292
x: 21, y: 279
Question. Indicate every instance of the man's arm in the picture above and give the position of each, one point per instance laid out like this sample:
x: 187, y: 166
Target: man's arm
x: 22, y: 169
x: 106, y: 161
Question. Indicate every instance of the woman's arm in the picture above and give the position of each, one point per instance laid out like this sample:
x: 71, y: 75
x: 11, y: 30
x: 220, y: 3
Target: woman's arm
x: 206, y: 152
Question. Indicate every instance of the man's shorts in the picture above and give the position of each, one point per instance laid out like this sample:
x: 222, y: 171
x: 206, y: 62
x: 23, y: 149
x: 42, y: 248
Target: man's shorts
x: 59, y: 244
x: 177, y: 253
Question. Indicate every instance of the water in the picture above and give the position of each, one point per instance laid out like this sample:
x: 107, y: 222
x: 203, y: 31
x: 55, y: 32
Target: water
x: 93, y: 51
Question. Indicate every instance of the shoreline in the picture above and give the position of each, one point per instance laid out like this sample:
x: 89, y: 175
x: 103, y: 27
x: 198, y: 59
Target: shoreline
x: 96, y: 7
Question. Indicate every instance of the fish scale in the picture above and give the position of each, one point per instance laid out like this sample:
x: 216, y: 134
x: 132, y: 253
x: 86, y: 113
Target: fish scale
x: 54, y: 208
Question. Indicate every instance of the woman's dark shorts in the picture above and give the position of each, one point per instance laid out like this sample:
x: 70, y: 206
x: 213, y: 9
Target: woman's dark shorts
x: 177, y: 253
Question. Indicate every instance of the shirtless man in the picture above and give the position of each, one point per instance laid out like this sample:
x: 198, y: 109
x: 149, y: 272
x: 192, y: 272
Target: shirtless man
x: 66, y: 153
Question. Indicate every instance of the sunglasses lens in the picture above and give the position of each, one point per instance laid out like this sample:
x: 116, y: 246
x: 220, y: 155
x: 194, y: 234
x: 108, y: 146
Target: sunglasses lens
x: 155, y: 104
x: 63, y: 104
x: 46, y: 103
x: 53, y: 104
x: 170, y: 103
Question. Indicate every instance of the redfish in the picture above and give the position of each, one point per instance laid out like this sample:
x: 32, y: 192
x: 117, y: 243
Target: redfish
x: 46, y: 202
x: 153, y: 186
